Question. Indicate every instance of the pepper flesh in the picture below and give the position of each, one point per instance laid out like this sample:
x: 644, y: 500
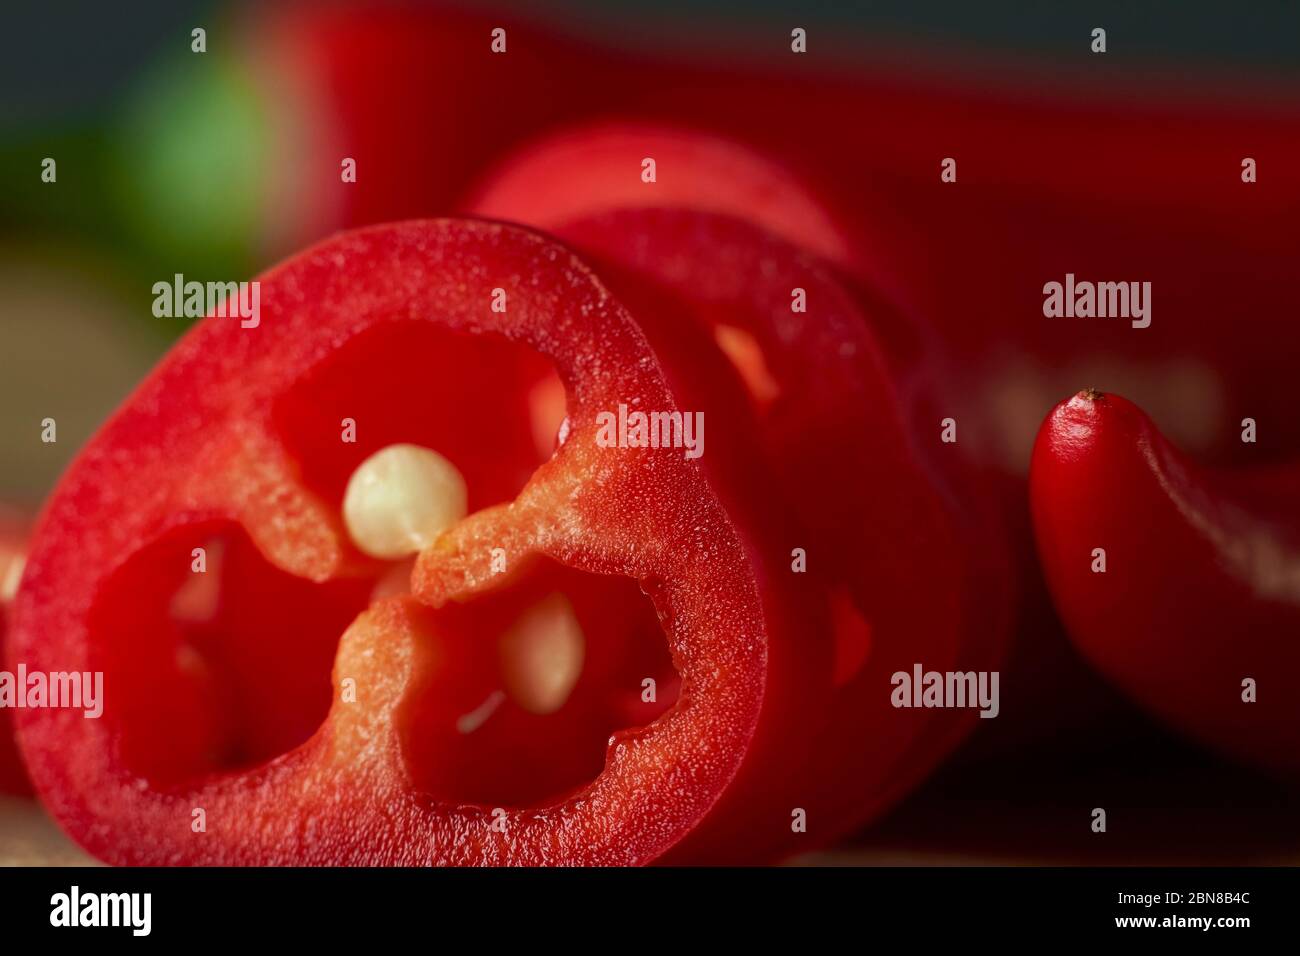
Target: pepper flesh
x: 214, y: 449
x: 1201, y: 587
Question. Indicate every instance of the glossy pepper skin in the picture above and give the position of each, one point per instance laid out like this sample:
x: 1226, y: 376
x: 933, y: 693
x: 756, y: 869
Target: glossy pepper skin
x: 236, y: 428
x: 898, y: 540
x: 1201, y: 588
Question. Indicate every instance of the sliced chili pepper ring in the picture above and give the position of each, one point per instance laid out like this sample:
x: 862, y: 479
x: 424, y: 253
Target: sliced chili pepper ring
x: 198, y: 442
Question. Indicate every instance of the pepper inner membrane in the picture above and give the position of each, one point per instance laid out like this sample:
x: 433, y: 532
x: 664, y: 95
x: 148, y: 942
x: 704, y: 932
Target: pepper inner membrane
x: 492, y: 407
x: 523, y: 686
x: 219, y: 670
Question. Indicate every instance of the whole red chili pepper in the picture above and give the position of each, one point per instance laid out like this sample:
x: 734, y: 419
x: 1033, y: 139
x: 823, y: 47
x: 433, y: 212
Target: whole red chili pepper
x: 223, y: 740
x: 1180, y: 584
x: 858, y: 464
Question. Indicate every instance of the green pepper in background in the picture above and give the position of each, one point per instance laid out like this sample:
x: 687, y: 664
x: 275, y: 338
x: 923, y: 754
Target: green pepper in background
x: 166, y: 176
x: 186, y: 169
x: 175, y: 182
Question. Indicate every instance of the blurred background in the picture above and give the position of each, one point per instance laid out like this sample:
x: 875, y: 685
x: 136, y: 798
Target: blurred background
x: 217, y: 164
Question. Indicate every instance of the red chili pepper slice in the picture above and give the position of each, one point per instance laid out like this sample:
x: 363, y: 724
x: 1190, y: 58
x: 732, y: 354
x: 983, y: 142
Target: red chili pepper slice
x: 1179, y: 583
x: 876, y: 513
x: 587, y: 169
x: 690, y: 168
x: 237, y: 432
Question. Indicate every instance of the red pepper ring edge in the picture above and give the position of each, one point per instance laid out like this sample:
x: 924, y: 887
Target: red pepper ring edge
x: 291, y: 809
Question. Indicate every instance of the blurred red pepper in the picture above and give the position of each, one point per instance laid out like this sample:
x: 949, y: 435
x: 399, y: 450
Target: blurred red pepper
x: 1182, y: 585
x: 1129, y: 188
x: 236, y: 436
x: 843, y: 427
x: 584, y: 170
x: 414, y: 94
